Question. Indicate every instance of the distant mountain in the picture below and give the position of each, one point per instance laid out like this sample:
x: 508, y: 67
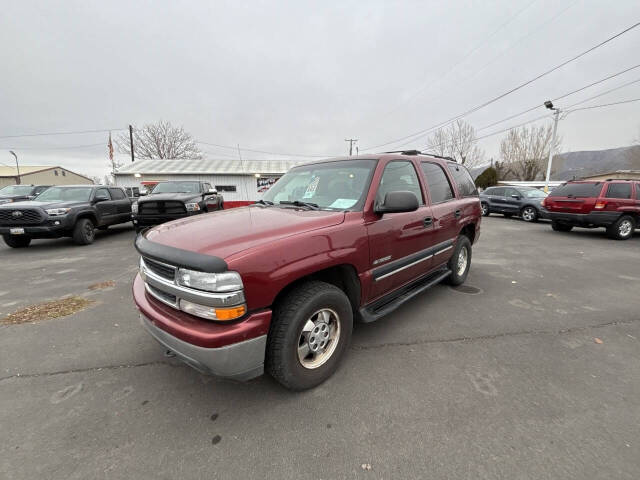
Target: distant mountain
x: 570, y: 165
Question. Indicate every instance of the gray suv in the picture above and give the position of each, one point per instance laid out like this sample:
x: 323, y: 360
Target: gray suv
x: 523, y: 201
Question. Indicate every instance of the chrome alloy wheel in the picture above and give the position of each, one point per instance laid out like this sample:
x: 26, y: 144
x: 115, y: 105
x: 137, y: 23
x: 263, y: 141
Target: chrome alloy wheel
x: 319, y: 338
x: 463, y: 260
x: 528, y: 214
x: 485, y: 209
x: 624, y: 229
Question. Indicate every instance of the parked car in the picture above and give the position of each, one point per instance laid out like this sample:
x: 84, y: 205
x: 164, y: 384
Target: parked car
x: 172, y: 200
x: 612, y: 204
x: 523, y: 201
x: 18, y: 193
x: 64, y: 211
x: 278, y: 284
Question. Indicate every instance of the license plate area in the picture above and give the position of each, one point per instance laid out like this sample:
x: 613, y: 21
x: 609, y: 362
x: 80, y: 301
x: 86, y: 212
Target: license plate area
x: 16, y: 231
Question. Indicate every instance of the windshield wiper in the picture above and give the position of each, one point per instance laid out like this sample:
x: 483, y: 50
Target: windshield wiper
x: 264, y: 202
x: 299, y: 203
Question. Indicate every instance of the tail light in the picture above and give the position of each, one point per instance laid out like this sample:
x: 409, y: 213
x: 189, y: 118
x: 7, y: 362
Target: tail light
x: 544, y: 202
x: 600, y: 205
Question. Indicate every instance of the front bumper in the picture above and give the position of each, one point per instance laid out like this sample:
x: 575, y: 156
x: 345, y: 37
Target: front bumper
x: 43, y: 230
x: 141, y: 221
x: 234, y: 350
x: 587, y: 220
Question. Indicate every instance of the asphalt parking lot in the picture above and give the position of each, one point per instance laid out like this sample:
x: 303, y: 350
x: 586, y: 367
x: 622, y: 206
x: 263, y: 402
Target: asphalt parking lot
x: 502, y: 380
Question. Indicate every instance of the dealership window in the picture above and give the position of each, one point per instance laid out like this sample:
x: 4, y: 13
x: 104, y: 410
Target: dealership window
x: 64, y: 174
x: 55, y: 172
x: 226, y: 188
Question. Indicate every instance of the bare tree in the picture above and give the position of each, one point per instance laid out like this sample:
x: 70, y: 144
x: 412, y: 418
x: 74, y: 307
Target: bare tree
x: 524, y: 151
x: 159, y: 140
x: 458, y: 141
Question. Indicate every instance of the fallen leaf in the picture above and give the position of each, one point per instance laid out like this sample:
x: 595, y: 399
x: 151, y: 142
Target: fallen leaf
x: 597, y: 340
x: 366, y: 466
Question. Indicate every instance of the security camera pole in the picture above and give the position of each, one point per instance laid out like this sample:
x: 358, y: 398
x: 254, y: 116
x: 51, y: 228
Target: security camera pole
x: 17, y: 166
x: 556, y: 115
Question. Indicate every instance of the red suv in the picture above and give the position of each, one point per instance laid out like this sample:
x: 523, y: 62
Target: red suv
x: 278, y: 284
x: 612, y: 204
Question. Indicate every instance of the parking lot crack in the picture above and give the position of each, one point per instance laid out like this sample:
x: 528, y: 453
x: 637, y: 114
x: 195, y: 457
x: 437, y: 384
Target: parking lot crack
x: 493, y: 336
x: 89, y: 369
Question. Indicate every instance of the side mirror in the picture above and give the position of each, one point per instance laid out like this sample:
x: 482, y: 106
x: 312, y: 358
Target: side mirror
x: 395, y: 202
x: 517, y: 197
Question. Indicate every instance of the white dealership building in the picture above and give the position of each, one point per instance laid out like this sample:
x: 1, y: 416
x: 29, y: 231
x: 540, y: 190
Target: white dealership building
x: 240, y: 182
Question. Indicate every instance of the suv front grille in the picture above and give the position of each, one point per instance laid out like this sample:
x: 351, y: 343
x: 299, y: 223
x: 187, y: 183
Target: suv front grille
x: 8, y: 216
x: 160, y: 269
x: 161, y: 208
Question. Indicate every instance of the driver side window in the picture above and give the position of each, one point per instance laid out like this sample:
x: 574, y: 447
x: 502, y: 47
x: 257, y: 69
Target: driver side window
x: 399, y: 176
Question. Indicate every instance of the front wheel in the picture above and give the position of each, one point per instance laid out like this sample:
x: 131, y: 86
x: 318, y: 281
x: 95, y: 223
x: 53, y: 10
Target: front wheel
x: 309, y: 334
x: 17, y: 241
x: 485, y: 209
x: 460, y: 261
x: 84, y: 232
x: 622, y: 229
x: 529, y: 214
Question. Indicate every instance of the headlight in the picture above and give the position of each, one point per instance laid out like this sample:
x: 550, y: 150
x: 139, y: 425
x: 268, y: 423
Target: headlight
x: 192, y: 207
x: 210, y: 282
x: 134, y: 207
x: 56, y: 212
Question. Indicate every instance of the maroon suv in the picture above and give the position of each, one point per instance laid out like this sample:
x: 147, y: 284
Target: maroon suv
x: 612, y: 204
x: 278, y: 284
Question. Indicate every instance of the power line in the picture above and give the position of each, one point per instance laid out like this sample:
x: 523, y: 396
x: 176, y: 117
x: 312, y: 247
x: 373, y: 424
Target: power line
x: 264, y: 151
x: 69, y: 147
x: 604, y: 105
x: 604, y: 93
x: 562, y: 96
x: 509, y: 92
x: 77, y: 132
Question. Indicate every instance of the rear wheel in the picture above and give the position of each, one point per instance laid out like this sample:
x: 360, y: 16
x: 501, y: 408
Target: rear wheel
x: 460, y: 261
x: 15, y: 241
x: 561, y: 227
x: 529, y: 214
x: 622, y: 229
x: 84, y: 232
x: 309, y: 334
x: 485, y: 209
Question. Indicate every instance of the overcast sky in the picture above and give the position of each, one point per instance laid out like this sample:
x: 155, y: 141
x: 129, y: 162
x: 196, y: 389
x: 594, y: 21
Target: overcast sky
x: 300, y: 77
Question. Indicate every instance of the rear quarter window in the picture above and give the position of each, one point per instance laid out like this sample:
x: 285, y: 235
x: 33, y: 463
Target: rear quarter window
x: 619, y: 190
x: 461, y: 176
x: 577, y: 190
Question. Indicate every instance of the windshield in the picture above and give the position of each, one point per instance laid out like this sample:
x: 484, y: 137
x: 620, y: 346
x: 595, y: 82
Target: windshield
x: 16, y: 190
x: 533, y: 193
x: 332, y: 185
x: 65, y: 194
x: 177, y: 187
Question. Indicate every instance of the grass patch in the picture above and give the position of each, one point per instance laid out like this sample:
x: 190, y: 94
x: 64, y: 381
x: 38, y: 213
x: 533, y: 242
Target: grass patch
x: 44, y: 311
x: 101, y: 285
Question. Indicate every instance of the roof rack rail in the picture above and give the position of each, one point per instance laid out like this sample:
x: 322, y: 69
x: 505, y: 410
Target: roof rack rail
x: 622, y: 179
x: 418, y: 152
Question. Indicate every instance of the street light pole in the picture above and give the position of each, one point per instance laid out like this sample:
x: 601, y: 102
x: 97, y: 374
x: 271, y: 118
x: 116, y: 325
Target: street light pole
x: 556, y: 116
x: 17, y: 166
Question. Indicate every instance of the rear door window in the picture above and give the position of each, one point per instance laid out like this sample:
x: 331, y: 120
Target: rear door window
x: 466, y: 185
x: 619, y: 190
x: 439, y: 186
x: 497, y: 192
x: 578, y: 190
x: 637, y: 191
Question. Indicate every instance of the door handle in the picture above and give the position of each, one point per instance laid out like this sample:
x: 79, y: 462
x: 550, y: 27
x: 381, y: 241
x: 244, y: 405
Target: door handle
x: 458, y: 213
x: 428, y: 221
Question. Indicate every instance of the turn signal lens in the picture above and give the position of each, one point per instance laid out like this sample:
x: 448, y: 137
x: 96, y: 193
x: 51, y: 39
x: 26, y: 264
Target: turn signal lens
x: 230, y: 313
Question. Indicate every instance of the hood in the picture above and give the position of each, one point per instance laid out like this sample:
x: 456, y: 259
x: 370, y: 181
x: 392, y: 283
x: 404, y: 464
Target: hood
x: 36, y: 204
x: 228, y: 232
x: 168, y: 196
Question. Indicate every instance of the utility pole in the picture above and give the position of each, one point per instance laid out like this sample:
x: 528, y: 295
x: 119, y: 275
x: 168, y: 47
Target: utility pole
x: 133, y: 158
x: 351, y: 142
x: 556, y: 116
x: 17, y: 166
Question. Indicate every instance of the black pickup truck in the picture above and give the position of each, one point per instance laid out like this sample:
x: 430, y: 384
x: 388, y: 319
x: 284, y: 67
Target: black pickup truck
x: 172, y: 200
x: 64, y: 211
x: 18, y: 193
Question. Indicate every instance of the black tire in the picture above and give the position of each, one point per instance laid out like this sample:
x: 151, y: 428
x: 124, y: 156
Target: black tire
x: 561, y: 227
x: 529, y: 214
x: 622, y: 229
x: 290, y: 316
x: 458, y: 276
x: 485, y: 209
x: 221, y: 206
x: 84, y: 232
x: 17, y: 241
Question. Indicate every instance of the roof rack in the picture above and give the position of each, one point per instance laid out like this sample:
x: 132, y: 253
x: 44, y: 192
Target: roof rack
x: 418, y: 152
x: 622, y: 179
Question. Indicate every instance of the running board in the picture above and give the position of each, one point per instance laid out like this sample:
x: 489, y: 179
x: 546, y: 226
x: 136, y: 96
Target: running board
x: 386, y: 305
